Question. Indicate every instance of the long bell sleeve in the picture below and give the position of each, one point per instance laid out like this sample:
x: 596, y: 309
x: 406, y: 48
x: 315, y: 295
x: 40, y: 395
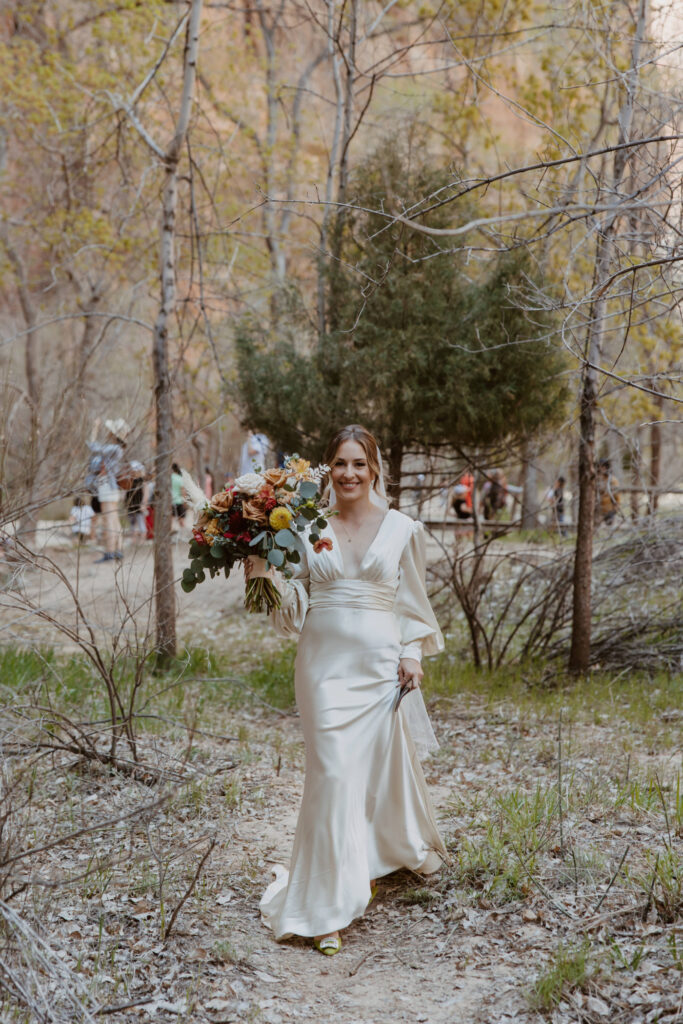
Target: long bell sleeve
x: 288, y: 620
x: 419, y: 630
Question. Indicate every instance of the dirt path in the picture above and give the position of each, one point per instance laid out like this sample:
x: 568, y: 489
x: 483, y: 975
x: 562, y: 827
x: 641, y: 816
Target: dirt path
x: 526, y: 877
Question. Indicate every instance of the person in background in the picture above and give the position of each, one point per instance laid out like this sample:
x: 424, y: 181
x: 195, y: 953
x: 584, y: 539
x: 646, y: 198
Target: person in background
x: 80, y: 518
x: 105, y: 465
x: 494, y: 494
x: 149, y: 515
x: 134, y: 500
x: 254, y: 453
x: 607, y: 493
x: 179, y: 506
x: 555, y: 499
x: 462, y: 496
x: 209, y: 483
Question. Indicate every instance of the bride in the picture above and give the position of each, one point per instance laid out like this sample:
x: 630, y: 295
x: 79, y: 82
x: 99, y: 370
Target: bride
x: 359, y: 607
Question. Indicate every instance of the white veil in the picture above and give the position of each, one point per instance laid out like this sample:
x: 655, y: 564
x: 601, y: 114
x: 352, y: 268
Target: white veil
x: 412, y: 706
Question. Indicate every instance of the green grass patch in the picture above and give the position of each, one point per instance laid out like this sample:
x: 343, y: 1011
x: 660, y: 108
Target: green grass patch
x: 569, y: 969
x: 636, y: 697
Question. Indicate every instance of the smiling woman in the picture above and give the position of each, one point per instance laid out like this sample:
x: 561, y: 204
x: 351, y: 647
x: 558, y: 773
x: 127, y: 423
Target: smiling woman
x: 359, y: 607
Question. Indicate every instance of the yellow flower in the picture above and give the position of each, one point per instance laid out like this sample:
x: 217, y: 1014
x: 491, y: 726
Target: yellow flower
x: 300, y: 467
x: 212, y: 530
x: 280, y: 518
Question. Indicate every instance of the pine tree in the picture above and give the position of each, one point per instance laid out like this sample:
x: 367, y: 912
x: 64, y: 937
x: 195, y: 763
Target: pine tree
x: 424, y: 350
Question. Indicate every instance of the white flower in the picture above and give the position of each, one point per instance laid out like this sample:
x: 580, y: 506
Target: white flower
x: 319, y: 472
x: 250, y: 483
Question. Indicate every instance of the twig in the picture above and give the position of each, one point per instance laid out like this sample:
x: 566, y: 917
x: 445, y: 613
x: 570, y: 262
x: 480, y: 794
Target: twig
x: 541, y: 888
x: 189, y: 890
x: 124, y: 1006
x: 98, y: 826
x: 612, y: 880
x: 646, y: 909
x: 559, y: 780
x: 366, y: 956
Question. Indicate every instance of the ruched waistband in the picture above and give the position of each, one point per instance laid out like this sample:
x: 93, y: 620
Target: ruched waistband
x: 338, y: 594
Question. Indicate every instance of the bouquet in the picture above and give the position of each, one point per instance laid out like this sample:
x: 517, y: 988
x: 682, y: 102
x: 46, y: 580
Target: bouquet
x: 262, y: 514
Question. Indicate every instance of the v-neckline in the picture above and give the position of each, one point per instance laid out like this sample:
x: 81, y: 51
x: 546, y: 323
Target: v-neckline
x: 368, y: 548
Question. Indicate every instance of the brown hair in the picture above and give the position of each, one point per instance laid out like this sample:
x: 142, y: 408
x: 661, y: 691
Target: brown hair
x: 367, y: 441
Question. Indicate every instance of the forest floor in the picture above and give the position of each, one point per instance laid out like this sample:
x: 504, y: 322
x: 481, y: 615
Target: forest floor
x: 561, y: 805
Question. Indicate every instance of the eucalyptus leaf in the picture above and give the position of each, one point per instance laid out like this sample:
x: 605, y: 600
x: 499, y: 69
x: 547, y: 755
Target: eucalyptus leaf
x: 308, y: 489
x: 257, y: 539
x: 217, y: 550
x: 285, y: 538
x: 294, y: 557
x: 276, y: 557
x: 188, y: 586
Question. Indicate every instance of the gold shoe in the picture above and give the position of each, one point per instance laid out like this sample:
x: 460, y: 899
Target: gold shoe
x: 373, y: 893
x: 328, y: 946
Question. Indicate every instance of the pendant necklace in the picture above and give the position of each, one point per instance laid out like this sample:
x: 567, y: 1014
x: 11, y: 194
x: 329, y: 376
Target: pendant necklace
x: 348, y: 537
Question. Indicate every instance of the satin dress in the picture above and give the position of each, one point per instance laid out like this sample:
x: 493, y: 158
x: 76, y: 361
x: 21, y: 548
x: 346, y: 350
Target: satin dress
x: 365, y: 811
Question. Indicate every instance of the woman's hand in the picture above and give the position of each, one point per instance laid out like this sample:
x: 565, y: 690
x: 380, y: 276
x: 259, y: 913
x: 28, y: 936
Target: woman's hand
x: 255, y: 566
x: 410, y: 673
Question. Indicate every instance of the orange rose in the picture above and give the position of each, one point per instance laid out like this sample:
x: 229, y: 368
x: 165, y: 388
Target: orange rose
x: 276, y: 477
x: 254, y: 512
x: 324, y: 544
x: 222, y: 502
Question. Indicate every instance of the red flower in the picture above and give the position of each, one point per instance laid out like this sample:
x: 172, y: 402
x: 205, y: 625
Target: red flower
x: 324, y: 544
x: 229, y: 536
x: 245, y: 538
x: 199, y: 537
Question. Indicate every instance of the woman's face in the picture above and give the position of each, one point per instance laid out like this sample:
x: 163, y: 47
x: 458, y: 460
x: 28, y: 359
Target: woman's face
x: 351, y: 476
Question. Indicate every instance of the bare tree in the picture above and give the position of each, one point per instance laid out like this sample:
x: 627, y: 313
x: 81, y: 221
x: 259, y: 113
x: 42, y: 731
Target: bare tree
x: 163, y: 551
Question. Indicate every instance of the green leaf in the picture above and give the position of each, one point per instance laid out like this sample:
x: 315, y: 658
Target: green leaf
x: 309, y: 513
x: 313, y: 537
x: 321, y: 523
x: 294, y: 557
x: 308, y: 489
x: 188, y: 585
x: 285, y: 538
x: 188, y: 575
x: 196, y: 564
x: 257, y: 539
x: 217, y: 550
x: 276, y: 557
x: 200, y: 576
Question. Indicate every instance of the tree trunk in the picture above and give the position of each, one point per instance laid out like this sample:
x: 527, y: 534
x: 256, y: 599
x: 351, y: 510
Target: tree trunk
x: 33, y: 390
x: 579, y: 657
x: 655, y: 465
x: 164, y: 591
x: 529, y: 491
x: 394, y: 483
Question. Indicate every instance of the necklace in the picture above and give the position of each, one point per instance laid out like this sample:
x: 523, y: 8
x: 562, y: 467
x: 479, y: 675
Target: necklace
x: 348, y: 536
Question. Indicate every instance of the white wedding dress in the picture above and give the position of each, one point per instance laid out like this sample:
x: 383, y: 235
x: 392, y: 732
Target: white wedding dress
x: 365, y: 810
